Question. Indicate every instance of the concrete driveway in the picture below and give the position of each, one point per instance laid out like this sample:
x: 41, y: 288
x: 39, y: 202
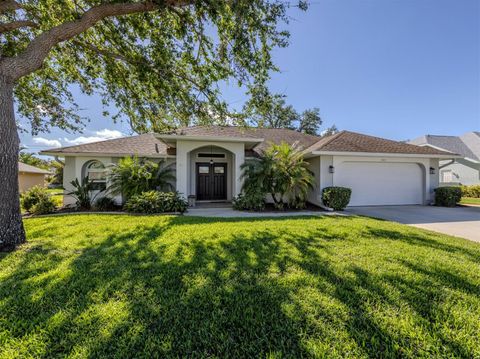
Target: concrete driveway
x: 459, y: 221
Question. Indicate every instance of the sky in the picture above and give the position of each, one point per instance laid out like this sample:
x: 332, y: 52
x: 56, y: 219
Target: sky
x: 397, y: 69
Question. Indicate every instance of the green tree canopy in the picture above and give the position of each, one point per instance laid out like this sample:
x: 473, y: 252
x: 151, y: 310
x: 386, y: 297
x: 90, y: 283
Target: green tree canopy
x: 161, y: 66
x: 32, y: 160
x: 160, y: 62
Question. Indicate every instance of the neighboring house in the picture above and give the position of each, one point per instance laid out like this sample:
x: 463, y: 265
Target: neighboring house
x: 30, y: 176
x: 465, y: 170
x: 208, y: 159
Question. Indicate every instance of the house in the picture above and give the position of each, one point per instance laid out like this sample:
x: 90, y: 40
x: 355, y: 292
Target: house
x: 464, y: 170
x: 30, y: 176
x: 208, y: 159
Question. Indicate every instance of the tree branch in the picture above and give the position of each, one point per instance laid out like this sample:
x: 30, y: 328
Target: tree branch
x: 9, y: 5
x: 31, y: 59
x: 145, y: 62
x: 10, y: 26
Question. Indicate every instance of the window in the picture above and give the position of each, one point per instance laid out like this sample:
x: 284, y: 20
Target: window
x: 447, y: 176
x: 219, y: 169
x: 211, y: 155
x: 97, y: 173
x: 203, y: 169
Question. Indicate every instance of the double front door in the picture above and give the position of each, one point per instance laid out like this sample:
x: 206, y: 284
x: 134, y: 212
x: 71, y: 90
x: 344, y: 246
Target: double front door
x: 211, y: 181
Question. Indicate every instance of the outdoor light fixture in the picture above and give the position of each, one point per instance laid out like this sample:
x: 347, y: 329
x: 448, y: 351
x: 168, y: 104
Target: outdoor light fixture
x: 432, y: 170
x: 331, y: 169
x: 211, y: 155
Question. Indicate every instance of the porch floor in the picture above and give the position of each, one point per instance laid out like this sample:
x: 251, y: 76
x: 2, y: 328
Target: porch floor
x: 209, y: 204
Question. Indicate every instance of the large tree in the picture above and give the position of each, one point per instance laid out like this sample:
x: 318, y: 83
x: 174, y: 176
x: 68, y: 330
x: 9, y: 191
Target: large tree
x: 160, y: 62
x: 265, y: 109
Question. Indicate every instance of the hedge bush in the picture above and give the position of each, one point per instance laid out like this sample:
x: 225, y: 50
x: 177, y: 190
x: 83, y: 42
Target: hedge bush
x: 471, y: 191
x: 249, y: 201
x: 448, y: 196
x: 45, y: 205
x: 105, y: 204
x: 336, y: 197
x: 156, y: 202
x: 32, y: 197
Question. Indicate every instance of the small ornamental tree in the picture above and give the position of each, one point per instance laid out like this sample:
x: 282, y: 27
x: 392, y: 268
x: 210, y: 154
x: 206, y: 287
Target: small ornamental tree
x: 281, y: 172
x: 158, y: 61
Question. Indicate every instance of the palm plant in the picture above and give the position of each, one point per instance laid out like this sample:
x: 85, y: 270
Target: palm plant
x: 82, y: 192
x: 131, y: 176
x: 282, y: 172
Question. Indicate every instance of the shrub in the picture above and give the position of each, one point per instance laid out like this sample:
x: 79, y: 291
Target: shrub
x: 156, y: 202
x: 33, y: 196
x: 249, y: 201
x: 132, y: 176
x: 336, y: 197
x: 44, y: 206
x: 448, y: 196
x: 471, y: 191
x: 105, y: 204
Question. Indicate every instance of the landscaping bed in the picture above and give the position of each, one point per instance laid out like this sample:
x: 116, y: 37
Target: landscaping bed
x: 171, y: 286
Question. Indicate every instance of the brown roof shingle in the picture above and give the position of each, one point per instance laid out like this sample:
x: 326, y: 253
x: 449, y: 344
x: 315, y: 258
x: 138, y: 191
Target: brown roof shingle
x: 149, y: 145
x: 141, y: 145
x: 270, y: 135
x: 23, y: 167
x: 346, y: 141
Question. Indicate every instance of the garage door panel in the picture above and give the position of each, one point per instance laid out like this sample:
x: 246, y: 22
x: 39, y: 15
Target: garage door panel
x: 379, y: 183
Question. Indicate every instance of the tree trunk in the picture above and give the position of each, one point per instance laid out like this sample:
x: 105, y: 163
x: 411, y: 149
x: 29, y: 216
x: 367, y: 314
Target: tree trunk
x: 12, y: 232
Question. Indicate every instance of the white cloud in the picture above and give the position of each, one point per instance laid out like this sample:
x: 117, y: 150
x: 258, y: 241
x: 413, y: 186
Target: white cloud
x: 101, y: 135
x: 106, y: 133
x: 46, y: 142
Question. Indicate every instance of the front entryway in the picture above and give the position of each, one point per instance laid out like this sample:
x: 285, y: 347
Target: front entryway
x: 211, y: 181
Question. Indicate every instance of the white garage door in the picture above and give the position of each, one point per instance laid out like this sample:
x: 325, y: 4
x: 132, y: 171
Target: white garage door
x: 380, y: 183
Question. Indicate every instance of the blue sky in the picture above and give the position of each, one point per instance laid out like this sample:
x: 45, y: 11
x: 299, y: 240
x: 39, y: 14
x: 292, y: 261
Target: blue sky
x: 392, y: 68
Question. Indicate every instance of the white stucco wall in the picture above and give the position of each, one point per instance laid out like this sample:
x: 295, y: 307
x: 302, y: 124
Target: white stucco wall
x: 314, y: 167
x: 75, y: 167
x: 326, y: 179
x: 194, y: 159
x: 185, y: 156
x: 69, y: 174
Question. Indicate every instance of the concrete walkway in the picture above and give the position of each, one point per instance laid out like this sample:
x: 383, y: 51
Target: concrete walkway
x: 459, y: 221
x: 231, y: 213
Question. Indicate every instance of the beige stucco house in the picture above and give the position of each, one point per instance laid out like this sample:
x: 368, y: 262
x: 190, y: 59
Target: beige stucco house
x: 30, y: 176
x: 207, y: 161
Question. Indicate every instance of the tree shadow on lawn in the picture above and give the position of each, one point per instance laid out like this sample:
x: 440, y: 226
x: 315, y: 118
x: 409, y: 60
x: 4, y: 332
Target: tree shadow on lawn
x: 429, y: 239
x: 137, y: 294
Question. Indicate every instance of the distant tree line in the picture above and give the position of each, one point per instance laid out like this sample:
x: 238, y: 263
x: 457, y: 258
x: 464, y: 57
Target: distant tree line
x: 265, y: 109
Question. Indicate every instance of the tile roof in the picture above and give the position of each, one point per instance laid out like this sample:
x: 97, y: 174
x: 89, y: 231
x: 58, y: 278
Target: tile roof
x: 141, y: 145
x: 23, y: 167
x: 346, y: 141
x: 467, y: 145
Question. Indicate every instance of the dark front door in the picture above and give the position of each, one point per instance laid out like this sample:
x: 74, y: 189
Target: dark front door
x: 211, y: 181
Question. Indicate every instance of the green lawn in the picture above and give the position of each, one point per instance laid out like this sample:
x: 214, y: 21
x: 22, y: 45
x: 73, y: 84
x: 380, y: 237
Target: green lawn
x: 90, y: 286
x: 467, y: 200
